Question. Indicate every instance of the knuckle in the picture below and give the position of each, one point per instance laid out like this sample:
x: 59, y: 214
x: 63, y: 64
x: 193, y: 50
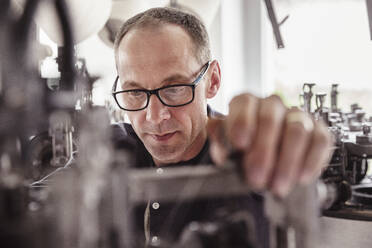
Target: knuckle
x: 239, y: 123
x: 299, y: 121
x: 256, y: 159
x: 274, y: 107
x: 242, y: 112
x: 295, y: 108
x: 276, y: 100
x: 268, y: 120
x: 241, y: 100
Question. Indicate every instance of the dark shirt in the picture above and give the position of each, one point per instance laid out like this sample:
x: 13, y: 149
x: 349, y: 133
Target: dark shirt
x: 167, y: 221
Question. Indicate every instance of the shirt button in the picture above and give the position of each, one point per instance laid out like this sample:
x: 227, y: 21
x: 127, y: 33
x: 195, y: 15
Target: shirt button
x: 159, y: 170
x: 155, y: 205
x: 154, y: 240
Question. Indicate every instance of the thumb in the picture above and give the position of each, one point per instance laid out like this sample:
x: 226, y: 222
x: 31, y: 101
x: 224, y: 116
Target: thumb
x: 219, y: 146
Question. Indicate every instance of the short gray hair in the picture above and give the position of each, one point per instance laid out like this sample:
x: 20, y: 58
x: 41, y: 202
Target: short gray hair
x: 160, y: 16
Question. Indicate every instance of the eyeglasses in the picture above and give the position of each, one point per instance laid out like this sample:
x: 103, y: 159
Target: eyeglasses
x: 174, y: 95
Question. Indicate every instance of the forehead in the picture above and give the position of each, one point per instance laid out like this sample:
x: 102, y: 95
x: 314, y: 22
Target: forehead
x: 155, y: 51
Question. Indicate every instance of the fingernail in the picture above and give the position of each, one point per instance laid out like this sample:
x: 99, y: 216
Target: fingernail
x: 282, y: 189
x: 281, y: 186
x: 305, y: 178
x: 256, y: 178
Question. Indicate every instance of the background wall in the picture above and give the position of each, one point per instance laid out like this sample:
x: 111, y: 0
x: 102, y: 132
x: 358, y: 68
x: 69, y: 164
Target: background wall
x: 326, y: 42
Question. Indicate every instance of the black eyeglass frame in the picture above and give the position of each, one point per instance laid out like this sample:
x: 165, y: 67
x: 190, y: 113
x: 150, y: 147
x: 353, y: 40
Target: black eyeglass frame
x: 156, y: 91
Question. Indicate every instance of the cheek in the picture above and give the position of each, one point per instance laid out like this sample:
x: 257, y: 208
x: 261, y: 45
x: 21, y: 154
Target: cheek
x: 182, y: 116
x: 201, y: 96
x: 195, y: 116
x: 200, y: 102
x: 136, y: 119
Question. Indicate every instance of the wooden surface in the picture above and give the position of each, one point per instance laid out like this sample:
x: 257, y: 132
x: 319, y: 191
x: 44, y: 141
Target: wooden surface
x: 343, y: 233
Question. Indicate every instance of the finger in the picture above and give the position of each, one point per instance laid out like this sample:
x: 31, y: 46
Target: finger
x: 319, y: 153
x: 219, y: 147
x: 259, y: 160
x: 241, y: 122
x: 296, y: 137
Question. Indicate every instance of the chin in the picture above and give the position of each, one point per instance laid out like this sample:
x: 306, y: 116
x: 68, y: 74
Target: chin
x: 166, y: 155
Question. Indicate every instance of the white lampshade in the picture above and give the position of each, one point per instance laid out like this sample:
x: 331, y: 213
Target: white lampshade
x: 87, y: 18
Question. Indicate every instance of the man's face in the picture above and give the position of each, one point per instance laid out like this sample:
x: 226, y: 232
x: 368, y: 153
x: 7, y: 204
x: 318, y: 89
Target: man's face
x: 149, y: 58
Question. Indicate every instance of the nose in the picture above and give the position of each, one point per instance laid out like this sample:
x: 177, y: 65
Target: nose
x: 156, y: 112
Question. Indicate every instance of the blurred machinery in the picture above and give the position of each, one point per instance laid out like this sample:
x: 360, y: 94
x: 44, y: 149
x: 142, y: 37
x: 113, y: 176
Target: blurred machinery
x: 31, y: 161
x: 63, y: 184
x: 350, y: 163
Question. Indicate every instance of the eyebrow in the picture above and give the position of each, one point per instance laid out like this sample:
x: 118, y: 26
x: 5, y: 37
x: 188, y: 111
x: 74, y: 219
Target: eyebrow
x: 173, y: 78
x: 176, y: 77
x: 131, y: 84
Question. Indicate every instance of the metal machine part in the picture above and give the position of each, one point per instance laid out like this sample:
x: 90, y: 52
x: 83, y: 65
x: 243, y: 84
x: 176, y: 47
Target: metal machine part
x: 321, y: 111
x: 366, y: 137
x: 60, y: 131
x: 351, y: 150
x: 80, y: 194
x: 320, y: 100
x: 307, y: 96
x: 348, y: 167
x: 23, y: 110
x: 295, y: 215
x: 275, y: 24
x: 334, y: 98
x: 234, y: 230
x: 369, y: 11
x: 294, y: 219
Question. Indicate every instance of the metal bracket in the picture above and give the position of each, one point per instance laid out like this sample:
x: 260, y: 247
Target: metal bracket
x: 369, y: 11
x: 274, y: 22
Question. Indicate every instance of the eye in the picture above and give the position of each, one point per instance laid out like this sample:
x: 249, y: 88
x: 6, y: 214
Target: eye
x: 175, y: 90
x: 135, y: 93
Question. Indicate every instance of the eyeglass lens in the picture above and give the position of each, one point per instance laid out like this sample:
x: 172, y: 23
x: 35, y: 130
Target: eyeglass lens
x: 170, y: 96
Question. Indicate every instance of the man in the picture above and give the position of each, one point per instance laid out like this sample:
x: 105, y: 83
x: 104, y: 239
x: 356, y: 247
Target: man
x: 166, y: 75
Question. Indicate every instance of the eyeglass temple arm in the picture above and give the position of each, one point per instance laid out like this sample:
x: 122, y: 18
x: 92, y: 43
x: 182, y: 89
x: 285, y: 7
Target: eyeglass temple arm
x: 201, y: 75
x: 114, y: 85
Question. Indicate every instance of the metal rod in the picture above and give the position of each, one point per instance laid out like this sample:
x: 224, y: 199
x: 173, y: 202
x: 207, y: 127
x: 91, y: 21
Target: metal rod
x: 369, y: 11
x: 274, y: 23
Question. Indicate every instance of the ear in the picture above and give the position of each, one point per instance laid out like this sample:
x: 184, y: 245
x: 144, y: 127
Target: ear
x: 214, y: 79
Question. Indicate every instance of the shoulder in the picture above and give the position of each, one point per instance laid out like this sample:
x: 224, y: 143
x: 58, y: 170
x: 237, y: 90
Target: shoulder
x: 123, y: 135
x: 214, y: 114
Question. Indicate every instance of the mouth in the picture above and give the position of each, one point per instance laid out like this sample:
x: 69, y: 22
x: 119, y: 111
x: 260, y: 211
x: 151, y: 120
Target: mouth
x: 163, y: 137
